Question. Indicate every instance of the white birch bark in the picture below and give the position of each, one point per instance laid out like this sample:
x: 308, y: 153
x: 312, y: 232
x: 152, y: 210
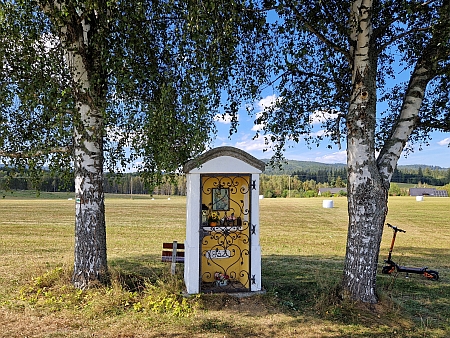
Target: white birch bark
x: 367, y: 194
x: 409, y: 113
x: 90, y: 263
x: 90, y: 233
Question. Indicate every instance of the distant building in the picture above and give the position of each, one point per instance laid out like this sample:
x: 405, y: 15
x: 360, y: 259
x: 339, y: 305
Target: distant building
x: 332, y: 191
x: 427, y: 192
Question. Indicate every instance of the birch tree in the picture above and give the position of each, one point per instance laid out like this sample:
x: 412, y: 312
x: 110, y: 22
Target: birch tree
x: 335, y: 61
x: 92, y: 85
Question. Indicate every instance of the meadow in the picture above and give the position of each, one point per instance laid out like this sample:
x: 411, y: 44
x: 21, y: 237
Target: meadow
x: 303, y: 248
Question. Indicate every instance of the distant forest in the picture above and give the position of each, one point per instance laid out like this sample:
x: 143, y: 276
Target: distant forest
x: 293, y: 179
x: 323, y: 173
x: 435, y: 177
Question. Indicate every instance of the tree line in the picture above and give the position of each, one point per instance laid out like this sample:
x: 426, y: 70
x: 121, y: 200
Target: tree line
x: 301, y: 183
x: 437, y: 177
x: 427, y: 175
x: 128, y: 183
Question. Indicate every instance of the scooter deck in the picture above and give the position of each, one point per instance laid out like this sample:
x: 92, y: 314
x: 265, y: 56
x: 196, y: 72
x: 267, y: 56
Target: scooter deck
x: 411, y: 269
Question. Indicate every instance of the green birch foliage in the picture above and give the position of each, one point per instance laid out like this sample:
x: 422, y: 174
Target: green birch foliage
x: 158, y: 71
x: 33, y: 98
x: 313, y: 61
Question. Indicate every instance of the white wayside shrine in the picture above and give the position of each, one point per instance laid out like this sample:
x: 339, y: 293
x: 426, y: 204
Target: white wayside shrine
x: 222, y: 248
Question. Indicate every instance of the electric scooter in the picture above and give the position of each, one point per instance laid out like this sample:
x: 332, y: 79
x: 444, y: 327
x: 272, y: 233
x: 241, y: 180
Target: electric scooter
x: 392, y: 266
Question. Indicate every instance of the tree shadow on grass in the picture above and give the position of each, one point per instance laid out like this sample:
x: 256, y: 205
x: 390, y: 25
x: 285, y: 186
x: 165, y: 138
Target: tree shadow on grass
x: 134, y: 272
x: 310, y: 286
x: 307, y: 290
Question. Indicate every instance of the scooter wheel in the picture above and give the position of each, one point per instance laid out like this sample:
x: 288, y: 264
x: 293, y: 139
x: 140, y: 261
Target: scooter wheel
x: 387, y: 269
x: 431, y: 274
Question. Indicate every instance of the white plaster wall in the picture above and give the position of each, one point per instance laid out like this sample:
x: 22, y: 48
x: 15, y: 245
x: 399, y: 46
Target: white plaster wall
x: 255, y: 250
x: 192, y: 243
x: 255, y: 211
x: 256, y: 268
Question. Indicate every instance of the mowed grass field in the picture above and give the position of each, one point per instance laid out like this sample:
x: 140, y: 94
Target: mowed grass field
x: 303, y: 248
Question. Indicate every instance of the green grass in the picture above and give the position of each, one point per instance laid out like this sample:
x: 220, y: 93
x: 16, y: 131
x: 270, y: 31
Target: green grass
x: 303, y: 248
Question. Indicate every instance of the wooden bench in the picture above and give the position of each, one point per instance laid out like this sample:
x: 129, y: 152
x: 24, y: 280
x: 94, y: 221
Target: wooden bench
x: 173, y: 253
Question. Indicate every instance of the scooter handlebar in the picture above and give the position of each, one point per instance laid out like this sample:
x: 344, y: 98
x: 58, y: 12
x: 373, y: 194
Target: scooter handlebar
x: 395, y: 228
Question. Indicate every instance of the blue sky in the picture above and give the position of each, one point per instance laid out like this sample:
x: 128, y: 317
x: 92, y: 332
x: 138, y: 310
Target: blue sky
x: 437, y: 153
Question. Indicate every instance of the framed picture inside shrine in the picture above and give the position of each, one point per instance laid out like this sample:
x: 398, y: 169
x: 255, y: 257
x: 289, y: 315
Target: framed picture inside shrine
x: 220, y: 199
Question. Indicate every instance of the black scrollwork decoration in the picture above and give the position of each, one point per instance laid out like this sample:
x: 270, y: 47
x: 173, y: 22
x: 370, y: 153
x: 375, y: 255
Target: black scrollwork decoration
x: 225, y: 247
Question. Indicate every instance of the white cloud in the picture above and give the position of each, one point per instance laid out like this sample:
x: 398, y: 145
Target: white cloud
x: 267, y: 102
x: 319, y: 133
x: 258, y: 127
x: 337, y: 157
x: 253, y: 145
x: 444, y: 142
x: 263, y: 104
x: 321, y: 116
x: 224, y: 118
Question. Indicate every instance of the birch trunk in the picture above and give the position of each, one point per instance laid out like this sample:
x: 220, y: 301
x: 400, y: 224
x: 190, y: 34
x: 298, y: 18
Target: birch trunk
x: 90, y: 263
x: 367, y: 189
x: 369, y: 176
x: 367, y: 209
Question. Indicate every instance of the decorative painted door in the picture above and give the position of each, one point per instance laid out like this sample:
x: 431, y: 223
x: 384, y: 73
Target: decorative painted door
x: 225, y: 233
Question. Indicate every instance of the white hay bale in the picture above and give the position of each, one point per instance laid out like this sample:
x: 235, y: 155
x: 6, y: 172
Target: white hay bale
x: 327, y: 203
x: 419, y: 198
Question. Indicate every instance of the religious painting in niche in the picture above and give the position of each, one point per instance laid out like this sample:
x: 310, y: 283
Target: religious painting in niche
x: 220, y: 199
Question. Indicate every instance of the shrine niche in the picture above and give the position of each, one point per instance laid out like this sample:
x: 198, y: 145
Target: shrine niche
x: 222, y: 249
